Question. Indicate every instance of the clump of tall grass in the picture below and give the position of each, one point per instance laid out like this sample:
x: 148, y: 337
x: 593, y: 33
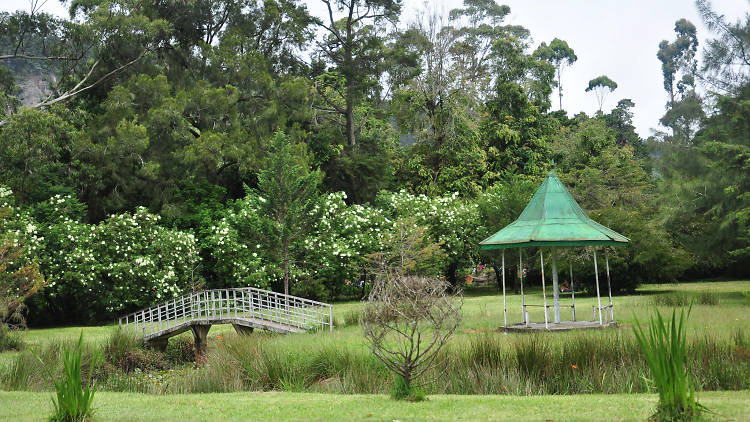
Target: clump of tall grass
x: 403, y: 390
x: 352, y: 318
x: 674, y: 299
x: 73, y: 398
x: 9, y: 339
x: 665, y: 349
x: 710, y: 298
x: 127, y: 353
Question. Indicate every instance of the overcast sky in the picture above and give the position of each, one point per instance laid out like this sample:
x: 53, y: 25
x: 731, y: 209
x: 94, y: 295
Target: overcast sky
x: 614, y: 38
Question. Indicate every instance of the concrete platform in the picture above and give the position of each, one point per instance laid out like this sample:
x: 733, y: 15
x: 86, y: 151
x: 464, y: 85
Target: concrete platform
x: 561, y: 326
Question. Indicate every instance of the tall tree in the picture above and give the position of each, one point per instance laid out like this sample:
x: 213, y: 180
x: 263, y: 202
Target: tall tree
x: 677, y: 58
x: 354, y: 46
x: 438, y: 110
x: 476, y: 27
x: 726, y: 59
x: 289, y: 189
x: 107, y: 38
x: 601, y: 85
x: 560, y: 55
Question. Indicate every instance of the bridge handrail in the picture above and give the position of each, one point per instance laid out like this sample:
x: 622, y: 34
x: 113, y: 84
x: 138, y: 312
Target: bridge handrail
x: 234, y: 303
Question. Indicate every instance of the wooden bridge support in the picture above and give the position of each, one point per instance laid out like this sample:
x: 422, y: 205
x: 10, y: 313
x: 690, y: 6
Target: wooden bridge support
x: 242, y: 330
x: 200, y: 334
x: 159, y: 344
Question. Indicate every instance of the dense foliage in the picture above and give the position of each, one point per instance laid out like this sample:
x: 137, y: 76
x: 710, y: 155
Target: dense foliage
x: 213, y: 143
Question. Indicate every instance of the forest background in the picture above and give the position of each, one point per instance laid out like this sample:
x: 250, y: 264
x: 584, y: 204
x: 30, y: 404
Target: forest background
x: 148, y: 148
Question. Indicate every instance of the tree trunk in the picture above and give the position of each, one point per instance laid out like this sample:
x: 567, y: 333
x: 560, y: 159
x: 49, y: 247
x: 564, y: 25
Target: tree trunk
x: 451, y: 275
x: 559, y: 84
x: 350, y: 114
x: 285, y: 263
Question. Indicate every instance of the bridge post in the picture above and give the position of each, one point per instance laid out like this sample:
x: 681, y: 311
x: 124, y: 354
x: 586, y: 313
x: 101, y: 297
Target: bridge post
x: 200, y: 334
x: 159, y: 344
x: 242, y: 330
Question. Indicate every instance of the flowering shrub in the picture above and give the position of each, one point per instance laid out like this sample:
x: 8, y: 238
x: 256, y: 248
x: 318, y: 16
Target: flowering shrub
x: 98, y: 271
x: 451, y: 221
x: 123, y: 263
x: 332, y: 254
x: 236, y: 244
x: 336, y: 253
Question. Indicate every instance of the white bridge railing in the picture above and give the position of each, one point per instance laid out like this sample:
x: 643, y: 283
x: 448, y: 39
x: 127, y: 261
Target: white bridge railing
x: 224, y: 305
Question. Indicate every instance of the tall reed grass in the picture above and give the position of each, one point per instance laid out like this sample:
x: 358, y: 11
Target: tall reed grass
x: 607, y: 361
x: 665, y: 349
x: 74, y: 396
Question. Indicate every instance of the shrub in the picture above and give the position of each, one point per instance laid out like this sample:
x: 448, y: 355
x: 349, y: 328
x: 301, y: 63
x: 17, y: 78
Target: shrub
x: 665, y: 350
x: 407, y: 320
x: 73, y: 400
x: 180, y: 350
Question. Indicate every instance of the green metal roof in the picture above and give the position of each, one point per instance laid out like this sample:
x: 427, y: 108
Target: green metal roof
x: 553, y: 218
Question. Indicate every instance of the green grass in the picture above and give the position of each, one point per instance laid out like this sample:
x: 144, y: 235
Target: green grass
x: 482, y: 311
x: 24, y: 406
x: 479, y: 359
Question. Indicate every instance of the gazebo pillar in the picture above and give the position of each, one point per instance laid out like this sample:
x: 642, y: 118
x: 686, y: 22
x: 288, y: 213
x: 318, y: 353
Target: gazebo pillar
x: 555, y: 287
x: 505, y: 309
x: 544, y: 290
x: 572, y: 291
x: 609, y: 287
x: 520, y: 277
x: 598, y: 298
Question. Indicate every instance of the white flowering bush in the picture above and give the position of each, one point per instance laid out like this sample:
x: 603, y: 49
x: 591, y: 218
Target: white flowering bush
x: 238, y: 248
x: 337, y: 251
x: 98, y: 271
x: 19, y: 228
x: 451, y: 221
x: 329, y: 259
x: 125, y: 262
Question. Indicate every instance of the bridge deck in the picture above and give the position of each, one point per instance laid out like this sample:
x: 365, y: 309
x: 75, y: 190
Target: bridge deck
x: 246, y: 307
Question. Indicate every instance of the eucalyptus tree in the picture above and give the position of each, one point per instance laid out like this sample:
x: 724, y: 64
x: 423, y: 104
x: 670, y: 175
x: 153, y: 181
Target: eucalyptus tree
x: 601, y: 85
x: 560, y: 55
x: 678, y: 63
x: 679, y: 68
x: 438, y: 110
x: 353, y: 45
x: 102, y: 40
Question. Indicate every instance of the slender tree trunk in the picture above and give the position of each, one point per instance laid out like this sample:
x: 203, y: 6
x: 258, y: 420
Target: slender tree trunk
x: 559, y: 85
x: 350, y: 113
x: 451, y: 276
x: 285, y: 263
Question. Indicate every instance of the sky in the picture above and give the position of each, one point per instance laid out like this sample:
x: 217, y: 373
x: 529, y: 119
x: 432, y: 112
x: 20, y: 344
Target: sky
x: 614, y: 38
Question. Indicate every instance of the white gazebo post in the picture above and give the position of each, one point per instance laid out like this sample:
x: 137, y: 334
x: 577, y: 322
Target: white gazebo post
x: 609, y: 287
x: 505, y: 309
x: 544, y: 291
x: 520, y: 277
x: 556, y: 288
x: 598, y: 299
x: 572, y: 290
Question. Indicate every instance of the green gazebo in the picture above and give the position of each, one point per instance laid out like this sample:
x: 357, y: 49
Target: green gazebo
x: 553, y: 219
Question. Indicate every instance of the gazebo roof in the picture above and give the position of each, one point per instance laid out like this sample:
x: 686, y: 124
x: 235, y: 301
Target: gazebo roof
x: 553, y: 218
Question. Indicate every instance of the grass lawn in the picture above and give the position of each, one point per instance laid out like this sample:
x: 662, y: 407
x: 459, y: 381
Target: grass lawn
x: 23, y: 406
x: 483, y: 311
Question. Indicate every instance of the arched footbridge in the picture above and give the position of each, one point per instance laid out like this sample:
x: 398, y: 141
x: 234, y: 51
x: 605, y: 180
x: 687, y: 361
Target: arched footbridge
x: 245, y: 308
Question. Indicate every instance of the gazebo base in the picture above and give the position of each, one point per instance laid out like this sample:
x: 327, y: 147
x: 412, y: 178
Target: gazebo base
x: 561, y: 326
